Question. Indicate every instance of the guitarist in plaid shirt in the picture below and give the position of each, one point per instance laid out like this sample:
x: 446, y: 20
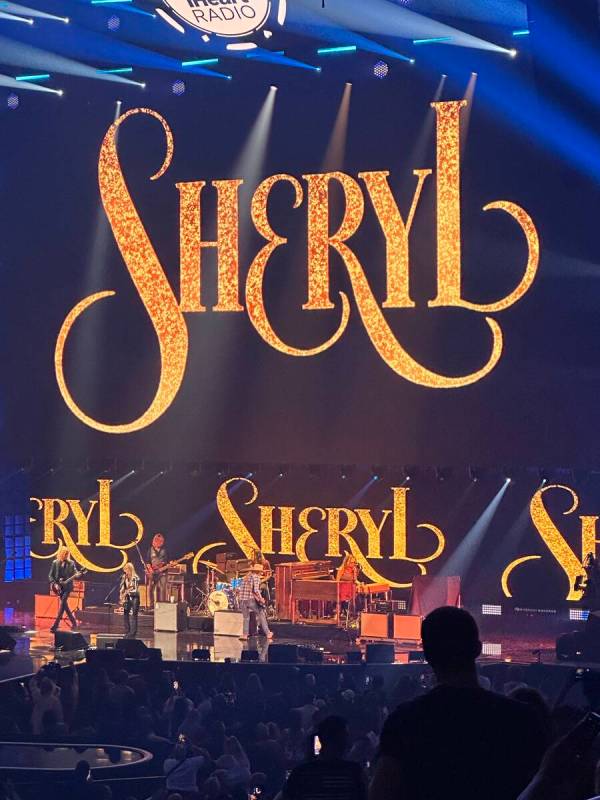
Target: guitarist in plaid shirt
x: 251, y: 600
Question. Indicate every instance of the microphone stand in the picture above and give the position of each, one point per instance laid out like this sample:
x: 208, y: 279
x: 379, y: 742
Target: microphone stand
x: 145, y: 573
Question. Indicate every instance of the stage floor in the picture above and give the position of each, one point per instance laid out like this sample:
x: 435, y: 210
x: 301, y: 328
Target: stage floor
x: 37, y: 641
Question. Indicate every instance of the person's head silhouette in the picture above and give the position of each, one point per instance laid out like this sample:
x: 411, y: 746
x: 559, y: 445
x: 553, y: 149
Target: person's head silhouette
x: 333, y: 735
x: 451, y: 644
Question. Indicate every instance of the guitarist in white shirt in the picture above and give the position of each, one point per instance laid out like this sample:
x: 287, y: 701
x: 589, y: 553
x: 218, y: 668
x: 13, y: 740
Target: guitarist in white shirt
x: 61, y: 575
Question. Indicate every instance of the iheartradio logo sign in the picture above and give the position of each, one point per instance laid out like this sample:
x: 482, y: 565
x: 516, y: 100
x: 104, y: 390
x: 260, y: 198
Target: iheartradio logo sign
x: 230, y: 18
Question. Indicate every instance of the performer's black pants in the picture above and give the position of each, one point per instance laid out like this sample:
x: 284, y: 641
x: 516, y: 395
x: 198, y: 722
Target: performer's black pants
x: 157, y: 589
x: 63, y: 609
x: 131, y: 608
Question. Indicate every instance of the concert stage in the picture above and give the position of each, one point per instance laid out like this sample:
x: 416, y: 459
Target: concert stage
x: 524, y: 644
x: 330, y: 307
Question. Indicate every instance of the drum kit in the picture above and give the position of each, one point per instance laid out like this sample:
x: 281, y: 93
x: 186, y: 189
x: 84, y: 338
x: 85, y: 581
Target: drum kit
x: 214, y: 592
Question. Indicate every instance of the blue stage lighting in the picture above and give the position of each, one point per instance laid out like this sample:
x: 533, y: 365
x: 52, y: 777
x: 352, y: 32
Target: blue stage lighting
x: 12, y: 101
x: 200, y: 62
x: 116, y: 70
x: 324, y: 51
x: 523, y: 32
x: 178, y: 88
x: 381, y: 69
x: 433, y: 40
x: 113, y: 23
x: 40, y: 77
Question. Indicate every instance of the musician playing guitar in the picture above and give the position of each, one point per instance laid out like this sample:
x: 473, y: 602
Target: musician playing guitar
x: 251, y: 601
x: 129, y: 597
x: 156, y: 581
x: 62, y: 573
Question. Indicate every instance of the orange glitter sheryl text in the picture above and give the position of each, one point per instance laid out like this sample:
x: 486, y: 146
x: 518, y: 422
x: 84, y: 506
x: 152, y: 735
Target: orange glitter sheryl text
x: 166, y: 314
x: 149, y: 279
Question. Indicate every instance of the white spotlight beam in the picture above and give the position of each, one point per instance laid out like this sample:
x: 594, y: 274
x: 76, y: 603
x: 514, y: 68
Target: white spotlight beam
x: 387, y: 19
x: 15, y: 18
x: 17, y: 8
x: 463, y: 557
x: 34, y: 58
x: 10, y: 83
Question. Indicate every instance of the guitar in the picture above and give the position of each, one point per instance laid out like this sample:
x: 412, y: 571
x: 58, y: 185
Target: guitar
x: 60, y: 587
x: 153, y: 571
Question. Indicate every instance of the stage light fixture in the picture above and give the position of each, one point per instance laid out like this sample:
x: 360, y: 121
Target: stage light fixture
x: 432, y: 40
x: 578, y: 614
x: 327, y: 51
x: 381, y: 69
x: 12, y: 101
x: 201, y: 62
x: 523, y: 32
x: 491, y: 610
x: 178, y: 88
x: 113, y: 23
x: 273, y: 87
x: 116, y: 70
x: 491, y: 648
x: 512, y: 53
x: 41, y: 77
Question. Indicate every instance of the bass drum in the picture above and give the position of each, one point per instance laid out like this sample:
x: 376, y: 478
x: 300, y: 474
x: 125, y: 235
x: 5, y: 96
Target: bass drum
x: 220, y: 600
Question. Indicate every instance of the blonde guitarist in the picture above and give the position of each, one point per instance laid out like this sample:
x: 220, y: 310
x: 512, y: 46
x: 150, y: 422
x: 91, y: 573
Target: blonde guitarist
x: 129, y: 597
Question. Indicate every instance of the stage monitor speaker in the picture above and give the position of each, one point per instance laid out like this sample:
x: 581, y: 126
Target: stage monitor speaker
x: 249, y: 655
x: 571, y: 646
x: 70, y: 640
x: 354, y: 657
x: 407, y: 627
x: 7, y: 642
x: 374, y: 626
x: 109, y: 659
x: 416, y: 656
x: 283, y: 654
x: 380, y: 653
x: 133, y: 648
x: 170, y: 617
x: 228, y: 623
x: 201, y: 654
x: 107, y: 641
x: 310, y: 655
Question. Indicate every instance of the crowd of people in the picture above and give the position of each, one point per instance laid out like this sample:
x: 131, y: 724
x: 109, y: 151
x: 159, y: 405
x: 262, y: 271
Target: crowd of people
x: 303, y: 737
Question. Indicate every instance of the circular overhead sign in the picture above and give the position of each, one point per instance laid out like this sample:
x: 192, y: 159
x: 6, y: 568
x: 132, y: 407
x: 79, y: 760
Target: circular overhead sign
x: 226, y: 17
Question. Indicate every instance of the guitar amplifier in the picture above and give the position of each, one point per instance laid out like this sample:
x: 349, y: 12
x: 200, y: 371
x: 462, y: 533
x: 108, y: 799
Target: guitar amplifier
x: 171, y: 617
x: 229, y: 623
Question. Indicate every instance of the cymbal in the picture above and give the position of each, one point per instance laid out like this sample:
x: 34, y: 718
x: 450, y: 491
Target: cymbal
x: 212, y: 566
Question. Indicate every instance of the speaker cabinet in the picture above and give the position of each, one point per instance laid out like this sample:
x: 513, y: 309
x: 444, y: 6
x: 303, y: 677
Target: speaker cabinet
x: 70, y: 640
x: 283, y: 654
x: 107, y: 641
x: 170, y: 617
x: 380, y: 653
x: 133, y: 648
x: 407, y: 627
x: 374, y: 626
x: 228, y: 623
